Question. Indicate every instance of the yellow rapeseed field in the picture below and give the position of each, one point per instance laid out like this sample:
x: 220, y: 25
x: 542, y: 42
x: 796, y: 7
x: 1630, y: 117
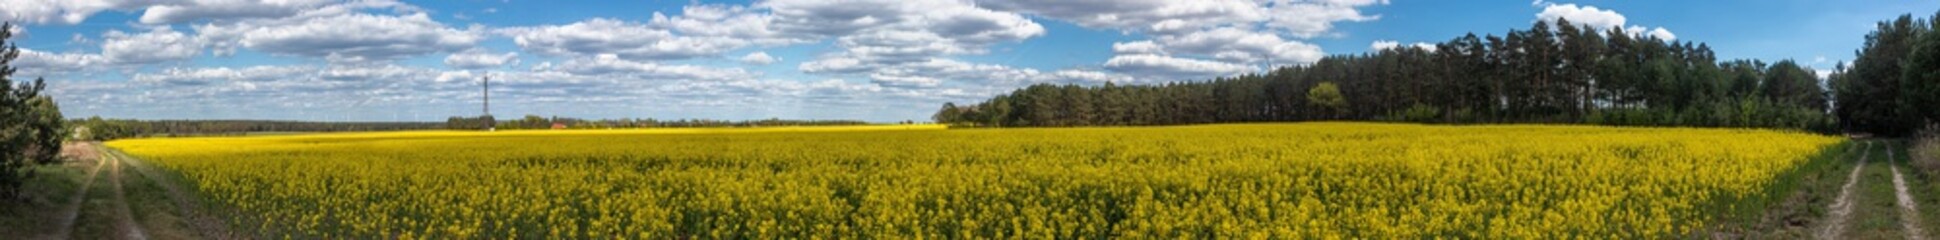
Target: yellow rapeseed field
x: 1310, y: 180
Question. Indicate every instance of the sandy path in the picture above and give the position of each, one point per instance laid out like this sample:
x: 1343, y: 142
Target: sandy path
x: 124, y: 217
x: 1909, y: 211
x: 1842, y: 207
x: 73, y: 209
x: 190, y: 209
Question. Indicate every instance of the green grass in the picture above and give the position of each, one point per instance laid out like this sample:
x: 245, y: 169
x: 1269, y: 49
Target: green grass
x: 1799, y: 205
x: 46, y: 195
x: 1921, y: 184
x: 152, y: 207
x: 97, y: 215
x: 1876, y: 210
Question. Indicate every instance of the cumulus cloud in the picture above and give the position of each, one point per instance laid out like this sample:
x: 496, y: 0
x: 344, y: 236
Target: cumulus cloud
x: 897, y: 32
x: 834, y: 65
x: 1383, y: 45
x: 736, y: 22
x: 1582, y: 15
x: 38, y: 63
x: 1222, y: 35
x: 57, y: 11
x: 1235, y: 45
x: 888, y: 80
x: 957, y: 20
x: 355, y: 37
x: 935, y: 72
x: 164, y: 12
x: 1298, y: 18
x: 1660, y: 33
x: 1601, y: 18
x: 1176, y: 68
x: 158, y: 45
x: 1380, y: 45
x: 758, y: 58
x: 624, y: 39
x: 608, y: 64
x: 479, y: 58
x: 992, y: 74
x: 1137, y: 47
x: 186, y: 11
x: 118, y: 49
x: 208, y: 76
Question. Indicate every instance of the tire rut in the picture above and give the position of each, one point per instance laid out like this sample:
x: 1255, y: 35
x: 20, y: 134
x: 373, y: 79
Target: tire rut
x: 124, y: 217
x: 208, y: 226
x: 1909, y: 210
x: 73, y: 210
x: 1841, y: 208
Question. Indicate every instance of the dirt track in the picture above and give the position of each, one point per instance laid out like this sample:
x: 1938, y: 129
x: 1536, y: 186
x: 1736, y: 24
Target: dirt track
x: 1841, y: 209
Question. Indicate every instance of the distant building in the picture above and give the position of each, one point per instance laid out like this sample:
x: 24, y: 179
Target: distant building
x: 558, y: 126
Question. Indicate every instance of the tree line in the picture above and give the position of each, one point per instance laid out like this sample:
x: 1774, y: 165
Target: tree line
x: 1551, y: 73
x: 97, y: 128
x: 538, y: 122
x: 1893, y: 84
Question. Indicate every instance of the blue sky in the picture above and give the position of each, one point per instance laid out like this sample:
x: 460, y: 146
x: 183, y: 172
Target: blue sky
x: 875, y: 60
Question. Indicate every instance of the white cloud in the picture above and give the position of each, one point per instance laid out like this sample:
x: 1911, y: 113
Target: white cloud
x: 118, y: 50
x: 1582, y: 15
x: 758, y: 58
x: 186, y: 11
x: 887, y: 80
x: 624, y: 39
x: 1174, y: 68
x: 1159, y: 16
x: 351, y: 37
x: 1427, y: 46
x: 1601, y: 18
x: 479, y: 58
x: 56, y: 11
x: 977, y: 74
x: 956, y: 20
x: 158, y: 45
x: 895, y: 31
x: 834, y: 65
x: 1296, y: 17
x: 1313, y: 19
x: 162, y: 12
x: 1241, y: 46
x: 1203, y: 38
x: 1660, y: 33
x: 608, y: 64
x: 1380, y: 45
x: 1137, y: 47
x: 1383, y: 45
x: 207, y: 76
x: 900, y: 46
x: 37, y: 63
x: 936, y: 72
x: 736, y: 22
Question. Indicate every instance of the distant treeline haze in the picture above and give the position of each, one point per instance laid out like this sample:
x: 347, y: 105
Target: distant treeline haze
x: 97, y: 128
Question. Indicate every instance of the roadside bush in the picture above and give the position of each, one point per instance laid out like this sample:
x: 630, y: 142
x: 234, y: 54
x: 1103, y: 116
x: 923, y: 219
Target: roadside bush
x: 1926, y: 150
